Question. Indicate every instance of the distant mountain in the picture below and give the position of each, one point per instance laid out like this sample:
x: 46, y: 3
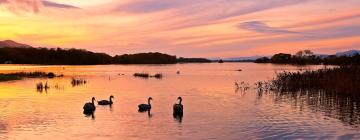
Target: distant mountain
x: 348, y: 53
x: 13, y: 44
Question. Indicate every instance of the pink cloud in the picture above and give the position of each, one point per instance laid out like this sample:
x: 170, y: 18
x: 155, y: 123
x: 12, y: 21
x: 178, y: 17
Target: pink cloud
x: 22, y: 5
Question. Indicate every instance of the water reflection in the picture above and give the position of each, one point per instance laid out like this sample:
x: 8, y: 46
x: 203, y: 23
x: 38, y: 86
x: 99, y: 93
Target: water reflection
x: 40, y: 90
x: 78, y: 82
x: 178, y: 117
x: 147, y: 111
x: 341, y: 107
x: 210, y: 101
x: 40, y: 87
x: 110, y: 108
x: 89, y: 114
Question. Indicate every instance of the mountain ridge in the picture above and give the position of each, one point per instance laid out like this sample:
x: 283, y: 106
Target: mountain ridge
x: 13, y: 44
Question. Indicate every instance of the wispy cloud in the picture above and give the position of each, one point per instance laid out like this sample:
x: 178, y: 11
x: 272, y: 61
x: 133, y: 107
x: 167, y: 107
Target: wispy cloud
x: 22, y: 5
x: 190, y: 13
x: 18, y: 6
x: 147, y: 6
x: 58, y: 5
x: 261, y: 27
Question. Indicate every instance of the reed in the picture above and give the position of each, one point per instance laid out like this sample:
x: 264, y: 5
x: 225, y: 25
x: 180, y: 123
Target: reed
x: 4, y: 77
x: 143, y: 75
x: 147, y: 75
x: 76, y: 82
x: 20, y: 75
x: 342, y: 80
x: 158, y: 75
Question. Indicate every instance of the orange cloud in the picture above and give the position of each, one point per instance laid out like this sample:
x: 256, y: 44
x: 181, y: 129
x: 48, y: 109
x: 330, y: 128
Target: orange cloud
x: 188, y: 28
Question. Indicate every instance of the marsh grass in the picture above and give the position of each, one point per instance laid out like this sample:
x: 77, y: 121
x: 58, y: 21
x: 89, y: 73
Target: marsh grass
x: 158, y: 75
x: 77, y: 82
x: 4, y: 77
x: 143, y: 75
x: 20, y: 75
x: 147, y: 75
x: 340, y: 80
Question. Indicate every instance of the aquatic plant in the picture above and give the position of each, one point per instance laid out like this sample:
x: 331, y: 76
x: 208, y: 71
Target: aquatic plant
x: 4, y: 77
x: 158, y: 75
x: 144, y: 75
x: 40, y: 87
x: 20, y: 75
x: 242, y: 86
x: 147, y: 75
x: 338, y: 80
x: 76, y: 82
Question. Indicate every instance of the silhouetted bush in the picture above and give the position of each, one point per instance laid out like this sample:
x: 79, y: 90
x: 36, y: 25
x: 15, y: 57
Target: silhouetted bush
x: 342, y: 60
x: 145, y: 58
x: 281, y: 58
x: 262, y: 60
x: 193, y: 60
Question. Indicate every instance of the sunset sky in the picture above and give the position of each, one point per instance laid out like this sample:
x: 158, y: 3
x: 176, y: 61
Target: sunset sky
x: 190, y: 28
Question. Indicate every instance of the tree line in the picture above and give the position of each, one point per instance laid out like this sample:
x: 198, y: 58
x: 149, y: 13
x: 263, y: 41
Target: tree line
x: 59, y: 56
x: 305, y: 57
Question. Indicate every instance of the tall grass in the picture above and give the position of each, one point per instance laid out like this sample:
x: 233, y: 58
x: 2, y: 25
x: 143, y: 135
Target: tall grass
x: 146, y: 75
x: 8, y: 77
x: 143, y: 75
x: 342, y: 80
x: 77, y: 82
x: 20, y: 75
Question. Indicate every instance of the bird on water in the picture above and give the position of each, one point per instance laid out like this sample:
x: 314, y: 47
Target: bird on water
x: 178, y: 108
x: 145, y: 107
x: 89, y: 107
x: 106, y: 102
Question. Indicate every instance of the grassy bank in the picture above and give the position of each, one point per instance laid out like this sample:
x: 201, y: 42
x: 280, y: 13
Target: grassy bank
x: 342, y: 80
x: 8, y: 77
x: 20, y: 75
x: 146, y: 75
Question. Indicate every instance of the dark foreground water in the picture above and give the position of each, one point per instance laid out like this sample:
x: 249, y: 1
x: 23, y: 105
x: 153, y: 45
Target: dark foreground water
x: 213, y: 108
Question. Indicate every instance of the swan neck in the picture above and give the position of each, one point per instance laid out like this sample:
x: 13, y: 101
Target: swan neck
x: 180, y: 100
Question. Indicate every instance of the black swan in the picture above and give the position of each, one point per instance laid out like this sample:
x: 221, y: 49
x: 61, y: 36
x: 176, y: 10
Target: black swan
x: 145, y: 107
x: 106, y: 102
x: 89, y: 107
x: 178, y: 108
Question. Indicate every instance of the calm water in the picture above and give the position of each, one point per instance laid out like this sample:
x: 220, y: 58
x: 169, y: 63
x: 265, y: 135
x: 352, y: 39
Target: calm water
x: 213, y: 109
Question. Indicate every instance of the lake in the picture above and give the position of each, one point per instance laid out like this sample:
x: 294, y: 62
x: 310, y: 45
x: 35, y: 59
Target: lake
x: 213, y: 107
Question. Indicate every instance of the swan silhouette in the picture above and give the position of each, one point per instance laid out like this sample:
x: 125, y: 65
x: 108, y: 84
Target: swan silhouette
x: 178, y: 108
x: 145, y: 107
x: 106, y: 102
x: 89, y: 107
